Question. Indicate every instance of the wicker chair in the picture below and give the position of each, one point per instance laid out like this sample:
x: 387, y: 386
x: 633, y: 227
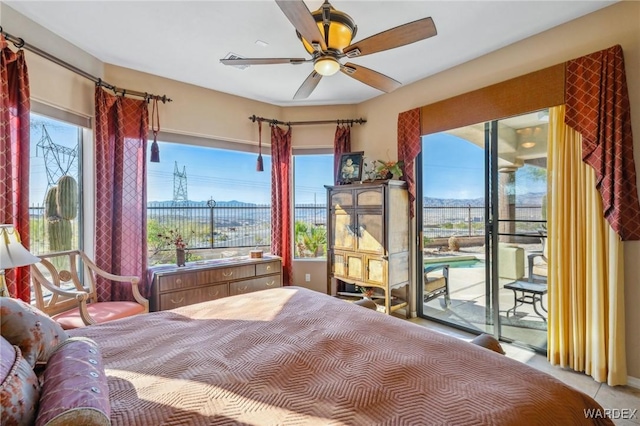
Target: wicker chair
x: 538, y: 266
x: 436, y: 284
x: 79, y: 306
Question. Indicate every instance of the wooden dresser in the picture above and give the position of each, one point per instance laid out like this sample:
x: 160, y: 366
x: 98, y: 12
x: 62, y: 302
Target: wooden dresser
x: 174, y: 286
x: 368, y: 239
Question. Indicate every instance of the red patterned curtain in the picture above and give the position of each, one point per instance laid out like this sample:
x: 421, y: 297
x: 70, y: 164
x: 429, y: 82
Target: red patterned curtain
x: 14, y: 157
x: 597, y: 106
x: 341, y: 144
x: 409, y: 146
x: 281, y: 199
x: 122, y: 125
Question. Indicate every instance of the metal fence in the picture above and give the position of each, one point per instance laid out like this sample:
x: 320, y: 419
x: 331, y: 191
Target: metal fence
x: 440, y: 222
x: 246, y: 226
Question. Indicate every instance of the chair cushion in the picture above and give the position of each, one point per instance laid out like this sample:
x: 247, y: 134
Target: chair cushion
x: 32, y: 330
x: 435, y: 283
x: 75, y: 390
x: 19, y: 387
x: 100, y: 311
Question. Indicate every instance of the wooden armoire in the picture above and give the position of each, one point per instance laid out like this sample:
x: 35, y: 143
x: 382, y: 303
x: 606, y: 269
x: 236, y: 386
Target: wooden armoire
x: 368, y: 239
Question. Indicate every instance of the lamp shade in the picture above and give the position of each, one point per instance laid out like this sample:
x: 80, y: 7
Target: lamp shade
x: 12, y: 252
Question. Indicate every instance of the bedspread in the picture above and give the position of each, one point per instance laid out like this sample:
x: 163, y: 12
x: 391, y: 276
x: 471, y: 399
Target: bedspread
x: 294, y: 356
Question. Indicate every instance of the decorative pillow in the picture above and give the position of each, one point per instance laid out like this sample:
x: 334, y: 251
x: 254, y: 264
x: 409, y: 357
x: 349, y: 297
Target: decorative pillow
x: 75, y: 390
x: 27, y: 327
x: 489, y: 342
x: 19, y: 389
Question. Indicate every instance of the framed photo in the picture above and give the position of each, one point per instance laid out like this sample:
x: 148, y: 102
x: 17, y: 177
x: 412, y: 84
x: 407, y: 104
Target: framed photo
x: 350, y: 167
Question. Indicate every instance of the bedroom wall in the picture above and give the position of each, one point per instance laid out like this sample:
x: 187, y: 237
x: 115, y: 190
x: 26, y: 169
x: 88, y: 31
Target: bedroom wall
x: 616, y: 24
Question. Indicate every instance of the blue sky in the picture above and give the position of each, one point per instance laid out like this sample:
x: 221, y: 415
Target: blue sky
x: 453, y: 167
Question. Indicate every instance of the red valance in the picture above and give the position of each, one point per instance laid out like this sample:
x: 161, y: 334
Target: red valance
x: 597, y: 106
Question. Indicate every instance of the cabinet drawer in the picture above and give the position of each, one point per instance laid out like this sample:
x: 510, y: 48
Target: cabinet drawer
x: 176, y: 282
x: 226, y: 274
x: 267, y: 268
x: 341, y: 199
x: 188, y: 297
x: 248, y: 286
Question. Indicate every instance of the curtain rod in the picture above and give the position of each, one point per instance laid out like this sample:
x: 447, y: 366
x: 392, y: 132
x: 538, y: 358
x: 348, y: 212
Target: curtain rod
x: 20, y: 44
x: 350, y: 121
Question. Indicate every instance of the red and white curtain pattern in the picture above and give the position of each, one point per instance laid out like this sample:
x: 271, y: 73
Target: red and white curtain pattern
x: 14, y: 157
x: 281, y: 199
x: 409, y: 146
x: 341, y: 144
x: 597, y: 106
x: 122, y: 126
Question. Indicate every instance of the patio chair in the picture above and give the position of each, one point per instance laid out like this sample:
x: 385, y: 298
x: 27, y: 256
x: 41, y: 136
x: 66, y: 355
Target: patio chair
x: 436, y: 284
x: 538, y: 262
x: 77, y: 306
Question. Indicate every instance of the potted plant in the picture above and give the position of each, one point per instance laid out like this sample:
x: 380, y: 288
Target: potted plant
x: 389, y: 169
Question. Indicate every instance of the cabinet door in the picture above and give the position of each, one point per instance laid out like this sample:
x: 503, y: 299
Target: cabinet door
x: 370, y: 229
x: 342, y: 230
x: 375, y: 270
x: 339, y: 265
x: 355, y: 267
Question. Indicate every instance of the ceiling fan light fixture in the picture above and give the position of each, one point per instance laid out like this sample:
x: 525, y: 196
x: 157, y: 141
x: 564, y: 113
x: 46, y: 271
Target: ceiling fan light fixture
x: 326, y: 66
x: 341, y: 28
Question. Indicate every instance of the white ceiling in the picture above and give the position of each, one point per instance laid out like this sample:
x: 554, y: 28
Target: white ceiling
x: 184, y: 40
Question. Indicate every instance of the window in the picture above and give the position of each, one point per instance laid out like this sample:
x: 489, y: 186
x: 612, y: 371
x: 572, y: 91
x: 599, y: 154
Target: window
x: 214, y: 198
x: 55, y: 185
x: 311, y: 173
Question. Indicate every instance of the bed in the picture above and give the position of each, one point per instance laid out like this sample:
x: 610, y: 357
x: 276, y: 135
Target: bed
x: 294, y: 356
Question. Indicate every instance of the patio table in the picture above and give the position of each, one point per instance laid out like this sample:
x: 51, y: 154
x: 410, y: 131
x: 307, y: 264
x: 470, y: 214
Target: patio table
x: 530, y: 293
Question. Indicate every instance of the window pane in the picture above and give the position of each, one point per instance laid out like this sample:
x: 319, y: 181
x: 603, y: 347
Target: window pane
x: 214, y: 199
x: 311, y: 173
x: 54, y: 191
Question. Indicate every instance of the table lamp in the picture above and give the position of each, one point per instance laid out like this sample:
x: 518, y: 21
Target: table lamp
x: 12, y: 254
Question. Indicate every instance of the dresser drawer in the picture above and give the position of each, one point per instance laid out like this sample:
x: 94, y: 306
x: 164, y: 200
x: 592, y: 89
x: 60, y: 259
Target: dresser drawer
x: 226, y: 274
x: 188, y: 297
x: 256, y: 284
x: 176, y: 282
x: 268, y: 268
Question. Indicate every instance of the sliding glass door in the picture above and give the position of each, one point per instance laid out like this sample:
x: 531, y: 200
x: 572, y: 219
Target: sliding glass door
x: 482, y: 194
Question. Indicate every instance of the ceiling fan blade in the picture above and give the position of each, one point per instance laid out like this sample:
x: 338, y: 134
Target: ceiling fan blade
x: 395, y: 37
x: 308, y: 86
x: 370, y: 77
x: 298, y: 14
x: 262, y: 61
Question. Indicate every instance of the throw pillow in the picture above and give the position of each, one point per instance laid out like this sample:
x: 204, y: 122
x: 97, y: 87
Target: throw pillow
x: 19, y: 388
x: 489, y: 342
x: 30, y: 329
x: 75, y: 390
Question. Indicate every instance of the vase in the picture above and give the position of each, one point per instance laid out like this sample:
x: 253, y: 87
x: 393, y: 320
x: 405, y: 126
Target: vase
x: 389, y: 175
x: 180, y: 257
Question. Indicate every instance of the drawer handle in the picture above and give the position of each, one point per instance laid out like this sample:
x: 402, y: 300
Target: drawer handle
x: 271, y: 283
x: 225, y: 274
x: 214, y: 293
x: 268, y: 267
x: 178, y: 301
x: 179, y: 281
x: 243, y: 289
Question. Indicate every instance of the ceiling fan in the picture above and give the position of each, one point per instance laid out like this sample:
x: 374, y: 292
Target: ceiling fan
x: 327, y: 36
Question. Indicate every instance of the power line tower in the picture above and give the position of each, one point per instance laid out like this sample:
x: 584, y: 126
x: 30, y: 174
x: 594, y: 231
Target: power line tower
x: 59, y: 160
x: 180, y: 184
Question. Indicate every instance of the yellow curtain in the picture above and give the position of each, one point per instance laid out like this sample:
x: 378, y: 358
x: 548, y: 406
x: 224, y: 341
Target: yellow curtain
x: 586, y: 265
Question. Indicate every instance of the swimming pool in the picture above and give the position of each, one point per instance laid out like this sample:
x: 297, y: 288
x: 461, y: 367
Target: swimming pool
x: 455, y: 262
